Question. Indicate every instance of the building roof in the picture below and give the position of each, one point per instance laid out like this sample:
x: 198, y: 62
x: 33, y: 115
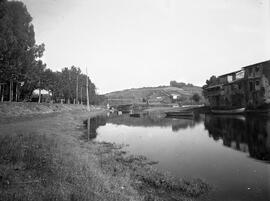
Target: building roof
x: 214, y: 86
x: 229, y: 73
x: 268, y: 61
x: 43, y: 92
x: 244, y: 68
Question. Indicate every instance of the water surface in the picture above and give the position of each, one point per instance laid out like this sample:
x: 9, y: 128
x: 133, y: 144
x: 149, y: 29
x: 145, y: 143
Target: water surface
x: 230, y: 152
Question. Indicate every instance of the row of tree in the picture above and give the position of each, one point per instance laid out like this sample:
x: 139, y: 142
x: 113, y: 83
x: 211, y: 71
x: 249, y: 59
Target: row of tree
x: 69, y: 84
x: 21, y: 68
x: 180, y: 84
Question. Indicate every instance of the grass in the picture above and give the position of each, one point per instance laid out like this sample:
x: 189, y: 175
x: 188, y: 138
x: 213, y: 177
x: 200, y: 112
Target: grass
x: 12, y: 109
x: 33, y: 168
x: 53, y: 165
x: 27, y: 170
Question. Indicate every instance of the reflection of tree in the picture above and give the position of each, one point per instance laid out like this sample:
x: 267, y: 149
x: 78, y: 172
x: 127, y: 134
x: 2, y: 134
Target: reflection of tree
x: 186, y: 122
x: 92, y: 124
x: 145, y: 121
x: 182, y: 124
x: 245, y: 134
x: 154, y: 121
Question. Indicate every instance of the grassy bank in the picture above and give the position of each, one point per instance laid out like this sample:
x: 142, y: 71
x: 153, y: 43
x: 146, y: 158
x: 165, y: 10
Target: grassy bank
x: 15, y: 109
x: 47, y: 159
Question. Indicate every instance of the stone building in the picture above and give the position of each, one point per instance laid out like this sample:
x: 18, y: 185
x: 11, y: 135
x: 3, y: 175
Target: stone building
x: 248, y: 87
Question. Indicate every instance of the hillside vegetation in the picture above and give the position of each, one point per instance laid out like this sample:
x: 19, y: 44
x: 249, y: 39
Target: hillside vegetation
x: 155, y: 95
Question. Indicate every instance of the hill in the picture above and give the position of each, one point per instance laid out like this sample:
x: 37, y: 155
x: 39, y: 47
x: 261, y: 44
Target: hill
x: 155, y: 95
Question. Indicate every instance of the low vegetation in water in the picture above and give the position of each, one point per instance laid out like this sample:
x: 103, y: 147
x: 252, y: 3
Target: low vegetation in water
x: 151, y: 183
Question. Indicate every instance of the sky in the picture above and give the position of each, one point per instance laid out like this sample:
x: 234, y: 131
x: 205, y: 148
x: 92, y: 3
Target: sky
x: 138, y: 43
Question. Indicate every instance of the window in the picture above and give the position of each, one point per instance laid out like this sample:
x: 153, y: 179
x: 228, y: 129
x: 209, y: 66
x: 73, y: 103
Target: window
x: 257, y: 69
x: 257, y: 82
x: 239, y: 86
x: 263, y: 91
x: 251, y: 86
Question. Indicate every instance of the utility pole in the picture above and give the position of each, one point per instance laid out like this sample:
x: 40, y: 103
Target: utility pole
x: 87, y: 93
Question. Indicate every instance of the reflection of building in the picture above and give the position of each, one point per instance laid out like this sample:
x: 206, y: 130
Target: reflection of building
x: 248, y: 87
x: 248, y: 135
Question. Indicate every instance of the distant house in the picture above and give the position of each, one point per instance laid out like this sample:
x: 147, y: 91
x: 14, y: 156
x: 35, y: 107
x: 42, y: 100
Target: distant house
x: 175, y: 96
x: 248, y: 87
x: 45, y: 95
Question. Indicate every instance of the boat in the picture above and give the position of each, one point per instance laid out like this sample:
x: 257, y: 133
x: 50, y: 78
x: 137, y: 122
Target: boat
x: 135, y: 115
x: 229, y: 111
x: 180, y: 114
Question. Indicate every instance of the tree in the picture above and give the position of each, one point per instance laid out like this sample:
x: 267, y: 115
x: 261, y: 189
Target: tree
x: 21, y: 68
x: 196, y: 97
x: 212, y: 81
x: 18, y: 53
x: 180, y: 84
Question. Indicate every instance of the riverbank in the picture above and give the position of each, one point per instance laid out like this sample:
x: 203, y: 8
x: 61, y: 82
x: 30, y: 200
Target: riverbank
x: 47, y: 158
x: 16, y: 109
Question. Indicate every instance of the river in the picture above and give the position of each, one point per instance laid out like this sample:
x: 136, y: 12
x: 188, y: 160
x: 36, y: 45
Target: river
x: 232, y: 153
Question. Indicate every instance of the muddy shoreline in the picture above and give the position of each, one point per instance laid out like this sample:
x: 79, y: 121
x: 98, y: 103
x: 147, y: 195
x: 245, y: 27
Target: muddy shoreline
x: 46, y: 156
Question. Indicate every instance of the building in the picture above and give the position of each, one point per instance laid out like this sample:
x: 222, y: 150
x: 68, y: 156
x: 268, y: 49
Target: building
x: 248, y: 87
x: 46, y: 96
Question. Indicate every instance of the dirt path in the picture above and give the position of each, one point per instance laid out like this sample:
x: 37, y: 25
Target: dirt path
x: 45, y: 158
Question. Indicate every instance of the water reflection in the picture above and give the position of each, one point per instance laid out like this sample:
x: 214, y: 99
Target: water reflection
x: 176, y: 124
x: 92, y: 124
x: 185, y: 147
x: 249, y: 134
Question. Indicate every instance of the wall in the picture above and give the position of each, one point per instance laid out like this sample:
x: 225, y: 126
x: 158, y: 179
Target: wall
x: 266, y: 82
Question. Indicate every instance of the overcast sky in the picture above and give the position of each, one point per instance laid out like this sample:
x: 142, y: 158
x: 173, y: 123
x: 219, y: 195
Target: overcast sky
x: 135, y: 43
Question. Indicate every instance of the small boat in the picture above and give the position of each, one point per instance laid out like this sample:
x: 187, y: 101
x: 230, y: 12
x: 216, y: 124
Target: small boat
x: 135, y: 115
x: 180, y: 114
x: 230, y: 111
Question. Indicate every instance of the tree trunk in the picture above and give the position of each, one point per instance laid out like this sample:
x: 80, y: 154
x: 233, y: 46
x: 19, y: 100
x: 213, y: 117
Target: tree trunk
x: 39, y: 95
x: 88, y: 129
x: 16, y: 93
x: 81, y: 95
x: 3, y: 91
x: 11, y: 90
x: 52, y: 98
x: 39, y: 92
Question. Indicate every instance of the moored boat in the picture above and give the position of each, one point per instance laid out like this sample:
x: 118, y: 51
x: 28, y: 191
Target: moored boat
x: 180, y: 114
x: 229, y: 111
x: 135, y: 115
